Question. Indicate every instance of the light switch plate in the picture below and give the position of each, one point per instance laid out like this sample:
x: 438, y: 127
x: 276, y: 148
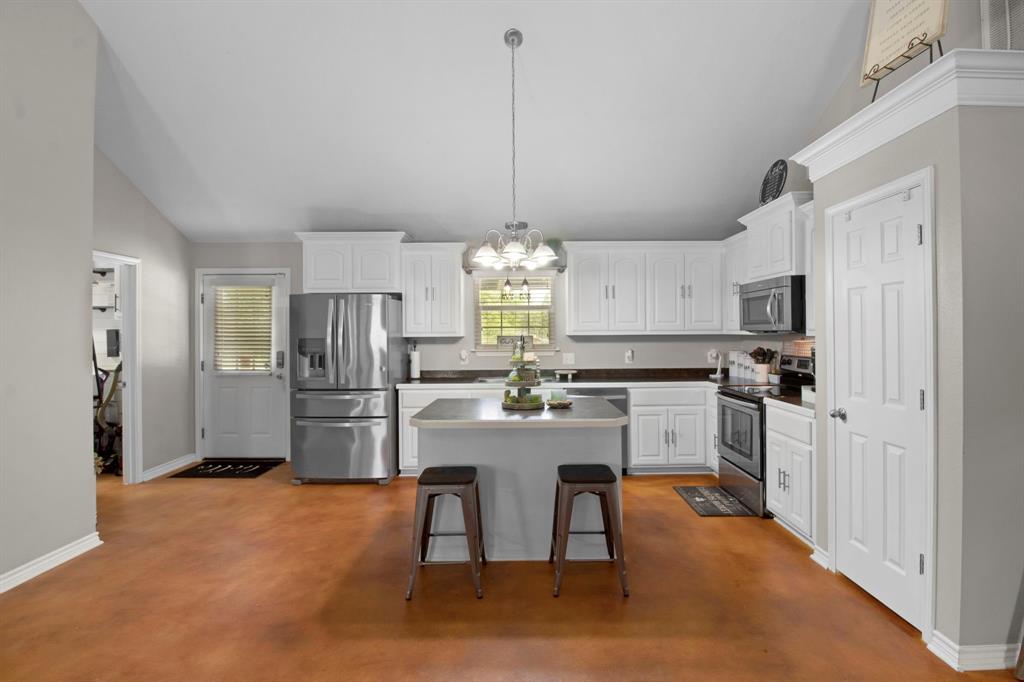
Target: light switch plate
x: 568, y: 358
x: 630, y: 356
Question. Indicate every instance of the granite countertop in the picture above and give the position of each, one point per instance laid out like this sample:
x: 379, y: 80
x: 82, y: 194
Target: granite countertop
x: 469, y: 413
x: 794, y: 399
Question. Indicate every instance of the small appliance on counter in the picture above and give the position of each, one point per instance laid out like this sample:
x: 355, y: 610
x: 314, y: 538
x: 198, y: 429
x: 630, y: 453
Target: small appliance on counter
x: 741, y: 431
x: 348, y: 354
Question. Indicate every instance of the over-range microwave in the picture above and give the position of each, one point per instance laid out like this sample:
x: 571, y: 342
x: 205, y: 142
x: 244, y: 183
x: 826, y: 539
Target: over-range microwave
x: 773, y: 305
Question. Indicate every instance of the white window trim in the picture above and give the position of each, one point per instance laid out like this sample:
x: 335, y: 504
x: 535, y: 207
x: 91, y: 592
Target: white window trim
x: 550, y: 273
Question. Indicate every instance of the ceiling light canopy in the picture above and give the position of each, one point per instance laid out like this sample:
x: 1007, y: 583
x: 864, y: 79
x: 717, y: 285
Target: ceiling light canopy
x: 520, y: 246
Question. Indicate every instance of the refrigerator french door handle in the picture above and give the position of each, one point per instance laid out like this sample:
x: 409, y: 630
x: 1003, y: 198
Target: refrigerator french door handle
x: 329, y: 341
x: 335, y: 424
x: 342, y: 346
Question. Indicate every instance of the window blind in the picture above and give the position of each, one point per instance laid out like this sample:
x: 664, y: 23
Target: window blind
x: 529, y: 314
x: 243, y: 328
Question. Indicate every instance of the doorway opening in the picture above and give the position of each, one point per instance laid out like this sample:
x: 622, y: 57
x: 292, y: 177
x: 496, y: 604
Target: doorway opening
x: 117, y: 428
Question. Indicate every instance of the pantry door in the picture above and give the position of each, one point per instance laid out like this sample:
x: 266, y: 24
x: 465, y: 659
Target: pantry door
x: 243, y: 366
x: 880, y: 330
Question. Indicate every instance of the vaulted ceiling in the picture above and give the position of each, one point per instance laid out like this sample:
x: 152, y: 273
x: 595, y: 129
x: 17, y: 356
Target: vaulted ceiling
x: 247, y: 121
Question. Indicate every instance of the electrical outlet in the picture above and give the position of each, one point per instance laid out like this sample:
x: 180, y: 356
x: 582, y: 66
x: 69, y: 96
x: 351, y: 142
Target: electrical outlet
x: 464, y: 357
x: 712, y: 355
x: 568, y: 358
x: 630, y: 356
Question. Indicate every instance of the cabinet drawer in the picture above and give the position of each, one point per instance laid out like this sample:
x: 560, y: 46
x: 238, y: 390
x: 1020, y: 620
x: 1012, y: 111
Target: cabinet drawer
x: 424, y: 398
x: 794, y: 426
x: 666, y: 396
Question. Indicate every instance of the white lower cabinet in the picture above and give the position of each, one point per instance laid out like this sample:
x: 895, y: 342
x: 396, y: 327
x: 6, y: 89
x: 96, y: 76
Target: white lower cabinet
x: 789, y: 465
x: 668, y: 427
x: 411, y: 402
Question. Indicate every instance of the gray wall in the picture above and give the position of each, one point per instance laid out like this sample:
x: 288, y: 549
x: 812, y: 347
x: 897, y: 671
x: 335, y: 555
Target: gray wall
x: 255, y: 255
x: 126, y: 223
x: 964, y: 30
x: 992, y: 176
x: 48, y: 85
x: 935, y: 144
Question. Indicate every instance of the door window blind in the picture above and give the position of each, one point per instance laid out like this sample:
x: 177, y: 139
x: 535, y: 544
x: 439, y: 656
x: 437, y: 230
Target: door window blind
x: 243, y: 328
x: 530, y: 314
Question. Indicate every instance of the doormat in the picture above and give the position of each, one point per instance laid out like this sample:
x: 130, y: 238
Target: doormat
x: 712, y: 501
x: 229, y: 468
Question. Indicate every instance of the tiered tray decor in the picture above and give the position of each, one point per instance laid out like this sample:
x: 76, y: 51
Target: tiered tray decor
x: 525, y: 375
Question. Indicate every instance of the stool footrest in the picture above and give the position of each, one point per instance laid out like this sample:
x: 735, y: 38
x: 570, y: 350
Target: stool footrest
x: 447, y: 535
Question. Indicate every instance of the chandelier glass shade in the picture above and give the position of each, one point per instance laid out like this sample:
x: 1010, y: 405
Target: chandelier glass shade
x: 520, y: 246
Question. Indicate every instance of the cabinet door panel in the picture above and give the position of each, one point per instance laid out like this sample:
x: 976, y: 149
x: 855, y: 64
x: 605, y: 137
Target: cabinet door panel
x: 416, y: 294
x: 588, y: 292
x: 648, y: 430
x: 626, y: 278
x: 809, y: 279
x: 704, y: 291
x: 757, y: 256
x: 799, y: 488
x: 735, y: 275
x: 446, y: 295
x: 326, y: 267
x: 375, y: 267
x: 686, y: 429
x: 407, y: 459
x: 779, y: 243
x: 776, y: 450
x: 665, y: 293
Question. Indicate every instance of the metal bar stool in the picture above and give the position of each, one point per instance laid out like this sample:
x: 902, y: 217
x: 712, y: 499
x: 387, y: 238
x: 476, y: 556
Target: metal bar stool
x: 461, y: 482
x: 576, y: 479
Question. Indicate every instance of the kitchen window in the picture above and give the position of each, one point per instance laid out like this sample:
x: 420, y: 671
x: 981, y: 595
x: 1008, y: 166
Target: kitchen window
x: 516, y: 312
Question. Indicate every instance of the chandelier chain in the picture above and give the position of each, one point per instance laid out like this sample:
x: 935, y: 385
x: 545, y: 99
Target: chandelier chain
x: 513, y: 135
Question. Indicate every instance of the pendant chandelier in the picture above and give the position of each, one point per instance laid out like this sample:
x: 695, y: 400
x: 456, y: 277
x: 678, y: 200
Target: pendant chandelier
x: 520, y: 246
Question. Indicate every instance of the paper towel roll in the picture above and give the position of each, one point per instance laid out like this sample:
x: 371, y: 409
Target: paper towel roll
x: 414, y: 364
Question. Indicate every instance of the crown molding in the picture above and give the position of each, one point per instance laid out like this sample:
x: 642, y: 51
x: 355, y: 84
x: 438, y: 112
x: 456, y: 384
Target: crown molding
x: 351, y: 236
x: 993, y: 78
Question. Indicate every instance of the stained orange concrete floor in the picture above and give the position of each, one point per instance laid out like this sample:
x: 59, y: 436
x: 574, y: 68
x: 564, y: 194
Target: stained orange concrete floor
x: 204, y: 579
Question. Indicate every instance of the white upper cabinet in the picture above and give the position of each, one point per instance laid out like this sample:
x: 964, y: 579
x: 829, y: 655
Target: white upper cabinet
x: 704, y: 290
x: 808, y: 213
x: 351, y: 261
x: 735, y: 274
x: 433, y: 290
x: 626, y: 310
x: 666, y: 291
x: 606, y: 290
x: 775, y: 238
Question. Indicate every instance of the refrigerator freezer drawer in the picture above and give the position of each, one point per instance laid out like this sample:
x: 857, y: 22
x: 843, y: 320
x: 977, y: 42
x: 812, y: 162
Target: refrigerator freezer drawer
x: 336, y: 449
x: 341, y: 403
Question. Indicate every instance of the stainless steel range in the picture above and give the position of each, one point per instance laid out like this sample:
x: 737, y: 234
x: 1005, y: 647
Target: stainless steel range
x: 741, y: 432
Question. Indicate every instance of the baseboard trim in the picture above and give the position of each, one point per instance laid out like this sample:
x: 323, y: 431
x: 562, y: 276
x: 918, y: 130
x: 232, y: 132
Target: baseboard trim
x: 973, y: 656
x: 820, y: 557
x: 168, y: 467
x: 27, y: 571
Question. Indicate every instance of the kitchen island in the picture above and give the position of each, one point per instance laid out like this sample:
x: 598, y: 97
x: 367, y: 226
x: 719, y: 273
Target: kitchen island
x: 517, y: 454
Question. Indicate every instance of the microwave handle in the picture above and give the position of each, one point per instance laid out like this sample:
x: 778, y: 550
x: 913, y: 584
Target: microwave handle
x: 771, y: 309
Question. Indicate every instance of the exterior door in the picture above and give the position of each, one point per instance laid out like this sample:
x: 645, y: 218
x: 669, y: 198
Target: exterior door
x: 588, y: 292
x: 243, y: 358
x: 878, y: 301
x: 665, y: 292
x: 704, y: 291
x: 626, y: 310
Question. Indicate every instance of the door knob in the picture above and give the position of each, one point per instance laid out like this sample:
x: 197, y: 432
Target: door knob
x: 280, y: 376
x: 838, y: 413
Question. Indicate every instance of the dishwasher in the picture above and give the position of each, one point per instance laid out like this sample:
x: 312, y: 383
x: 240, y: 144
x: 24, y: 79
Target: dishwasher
x: 618, y: 397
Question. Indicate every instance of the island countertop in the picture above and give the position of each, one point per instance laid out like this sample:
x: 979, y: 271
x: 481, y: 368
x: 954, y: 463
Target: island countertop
x: 477, y: 413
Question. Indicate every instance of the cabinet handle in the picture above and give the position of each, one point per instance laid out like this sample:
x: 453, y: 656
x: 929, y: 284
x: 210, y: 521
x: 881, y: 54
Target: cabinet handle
x: 689, y: 291
x: 673, y: 436
x: 716, y: 441
x: 682, y: 291
x: 606, y: 291
x: 426, y: 293
x: 666, y: 436
x: 778, y: 478
x: 433, y: 293
x: 613, y: 291
x: 785, y: 477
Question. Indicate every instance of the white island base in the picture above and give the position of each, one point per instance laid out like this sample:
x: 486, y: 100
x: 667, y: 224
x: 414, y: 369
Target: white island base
x: 517, y: 455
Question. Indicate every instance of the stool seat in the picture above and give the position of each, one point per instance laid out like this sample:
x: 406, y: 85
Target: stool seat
x: 447, y: 476
x: 586, y: 473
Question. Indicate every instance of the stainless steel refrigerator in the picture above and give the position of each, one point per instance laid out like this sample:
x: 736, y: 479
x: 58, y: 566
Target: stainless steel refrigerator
x: 347, y: 356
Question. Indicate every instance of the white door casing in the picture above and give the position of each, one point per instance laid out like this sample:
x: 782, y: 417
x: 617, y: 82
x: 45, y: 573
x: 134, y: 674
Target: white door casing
x: 243, y: 414
x: 881, y: 343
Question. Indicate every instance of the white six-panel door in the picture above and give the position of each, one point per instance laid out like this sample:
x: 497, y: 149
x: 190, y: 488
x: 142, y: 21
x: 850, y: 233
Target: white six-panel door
x: 244, y: 411
x: 878, y: 309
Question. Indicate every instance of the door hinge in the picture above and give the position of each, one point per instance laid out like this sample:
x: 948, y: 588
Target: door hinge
x: 921, y: 563
x: 920, y: 235
x: 921, y: 399
x: 202, y: 365
x: 202, y: 432
x: 202, y: 298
